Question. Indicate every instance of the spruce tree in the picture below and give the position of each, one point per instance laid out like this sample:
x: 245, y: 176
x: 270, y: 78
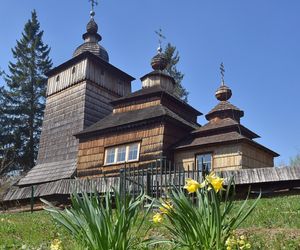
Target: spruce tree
x: 173, y: 58
x: 23, y: 98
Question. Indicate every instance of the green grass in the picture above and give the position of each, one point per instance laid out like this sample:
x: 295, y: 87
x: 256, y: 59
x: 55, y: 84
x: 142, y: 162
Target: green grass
x: 274, y: 224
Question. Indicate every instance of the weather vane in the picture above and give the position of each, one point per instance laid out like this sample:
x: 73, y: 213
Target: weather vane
x: 222, y: 69
x: 93, y: 3
x: 160, y: 38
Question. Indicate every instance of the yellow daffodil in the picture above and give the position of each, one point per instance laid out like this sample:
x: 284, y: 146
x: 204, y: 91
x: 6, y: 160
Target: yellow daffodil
x: 215, y: 181
x: 166, y: 207
x: 248, y: 246
x: 56, y: 245
x: 157, y: 218
x: 192, y: 186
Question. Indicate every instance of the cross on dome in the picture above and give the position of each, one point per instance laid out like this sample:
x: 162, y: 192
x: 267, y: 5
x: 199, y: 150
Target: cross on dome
x: 160, y: 38
x: 93, y: 4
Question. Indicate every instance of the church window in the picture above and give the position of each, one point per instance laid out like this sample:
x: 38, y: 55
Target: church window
x: 73, y: 70
x: 206, y: 160
x: 133, y: 152
x: 110, y: 155
x: 57, y: 78
x: 122, y: 153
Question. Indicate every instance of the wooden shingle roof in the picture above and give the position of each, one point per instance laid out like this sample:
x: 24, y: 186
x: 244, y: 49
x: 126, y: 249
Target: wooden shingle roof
x: 123, y: 119
x: 224, y: 124
x: 48, y: 172
x: 211, y: 139
x: 228, y: 137
x: 154, y: 91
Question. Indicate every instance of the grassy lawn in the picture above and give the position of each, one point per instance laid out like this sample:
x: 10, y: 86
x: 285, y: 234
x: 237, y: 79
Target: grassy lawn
x: 274, y: 224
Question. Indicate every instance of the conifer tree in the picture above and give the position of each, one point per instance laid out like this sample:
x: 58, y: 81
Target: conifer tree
x: 23, y: 98
x: 173, y: 58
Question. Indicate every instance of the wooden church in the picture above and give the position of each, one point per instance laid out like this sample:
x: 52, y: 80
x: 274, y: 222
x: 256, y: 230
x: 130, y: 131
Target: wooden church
x: 94, y: 124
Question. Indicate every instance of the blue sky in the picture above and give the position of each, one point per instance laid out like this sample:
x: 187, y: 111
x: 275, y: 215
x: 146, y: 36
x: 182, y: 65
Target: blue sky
x: 258, y: 41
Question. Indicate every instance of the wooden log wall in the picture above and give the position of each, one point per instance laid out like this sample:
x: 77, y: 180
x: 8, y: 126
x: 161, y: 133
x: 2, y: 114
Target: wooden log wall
x: 92, y: 151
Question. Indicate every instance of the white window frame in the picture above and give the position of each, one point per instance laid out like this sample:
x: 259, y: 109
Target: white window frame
x: 116, y: 148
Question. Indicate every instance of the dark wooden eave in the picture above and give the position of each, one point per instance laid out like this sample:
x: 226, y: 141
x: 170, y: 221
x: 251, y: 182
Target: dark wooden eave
x: 93, y: 58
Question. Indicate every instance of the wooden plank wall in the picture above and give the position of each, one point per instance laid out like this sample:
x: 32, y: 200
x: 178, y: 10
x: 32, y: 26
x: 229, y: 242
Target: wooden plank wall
x: 225, y: 157
x: 73, y: 104
x: 64, y: 116
x: 67, y: 78
x: 139, y: 104
x: 181, y: 110
x: 256, y: 157
x: 107, y: 80
x: 172, y: 134
x: 91, y: 151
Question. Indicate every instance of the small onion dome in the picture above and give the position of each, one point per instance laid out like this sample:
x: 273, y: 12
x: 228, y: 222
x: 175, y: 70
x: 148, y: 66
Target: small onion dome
x: 159, y: 61
x: 223, y: 93
x: 92, y: 29
x: 91, y: 39
x: 92, y: 26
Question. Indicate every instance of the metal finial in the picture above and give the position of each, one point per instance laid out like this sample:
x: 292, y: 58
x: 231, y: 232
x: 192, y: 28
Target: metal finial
x: 222, y: 70
x: 93, y: 4
x: 160, y: 38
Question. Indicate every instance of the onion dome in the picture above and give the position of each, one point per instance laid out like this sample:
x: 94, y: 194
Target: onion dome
x: 224, y: 109
x: 91, y: 39
x: 223, y: 93
x: 159, y: 61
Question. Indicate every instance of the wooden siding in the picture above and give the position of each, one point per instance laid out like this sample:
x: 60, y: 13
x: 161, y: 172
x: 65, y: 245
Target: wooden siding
x: 64, y: 116
x: 135, y: 105
x: 224, y: 157
x: 88, y: 70
x: 172, y: 134
x: 255, y: 157
x: 80, y: 97
x: 91, y: 151
x: 96, y: 103
x: 67, y: 78
x: 181, y: 110
x: 107, y: 80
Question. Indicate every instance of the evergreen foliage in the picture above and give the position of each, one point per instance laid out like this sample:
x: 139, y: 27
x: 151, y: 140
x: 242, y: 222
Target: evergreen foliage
x: 173, y: 58
x: 22, y: 100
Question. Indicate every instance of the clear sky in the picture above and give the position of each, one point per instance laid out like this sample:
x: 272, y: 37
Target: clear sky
x: 258, y: 41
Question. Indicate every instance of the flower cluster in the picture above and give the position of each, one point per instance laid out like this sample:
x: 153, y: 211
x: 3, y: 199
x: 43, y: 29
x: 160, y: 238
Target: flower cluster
x: 237, y: 243
x: 165, y: 208
x: 56, y: 244
x: 212, y: 181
